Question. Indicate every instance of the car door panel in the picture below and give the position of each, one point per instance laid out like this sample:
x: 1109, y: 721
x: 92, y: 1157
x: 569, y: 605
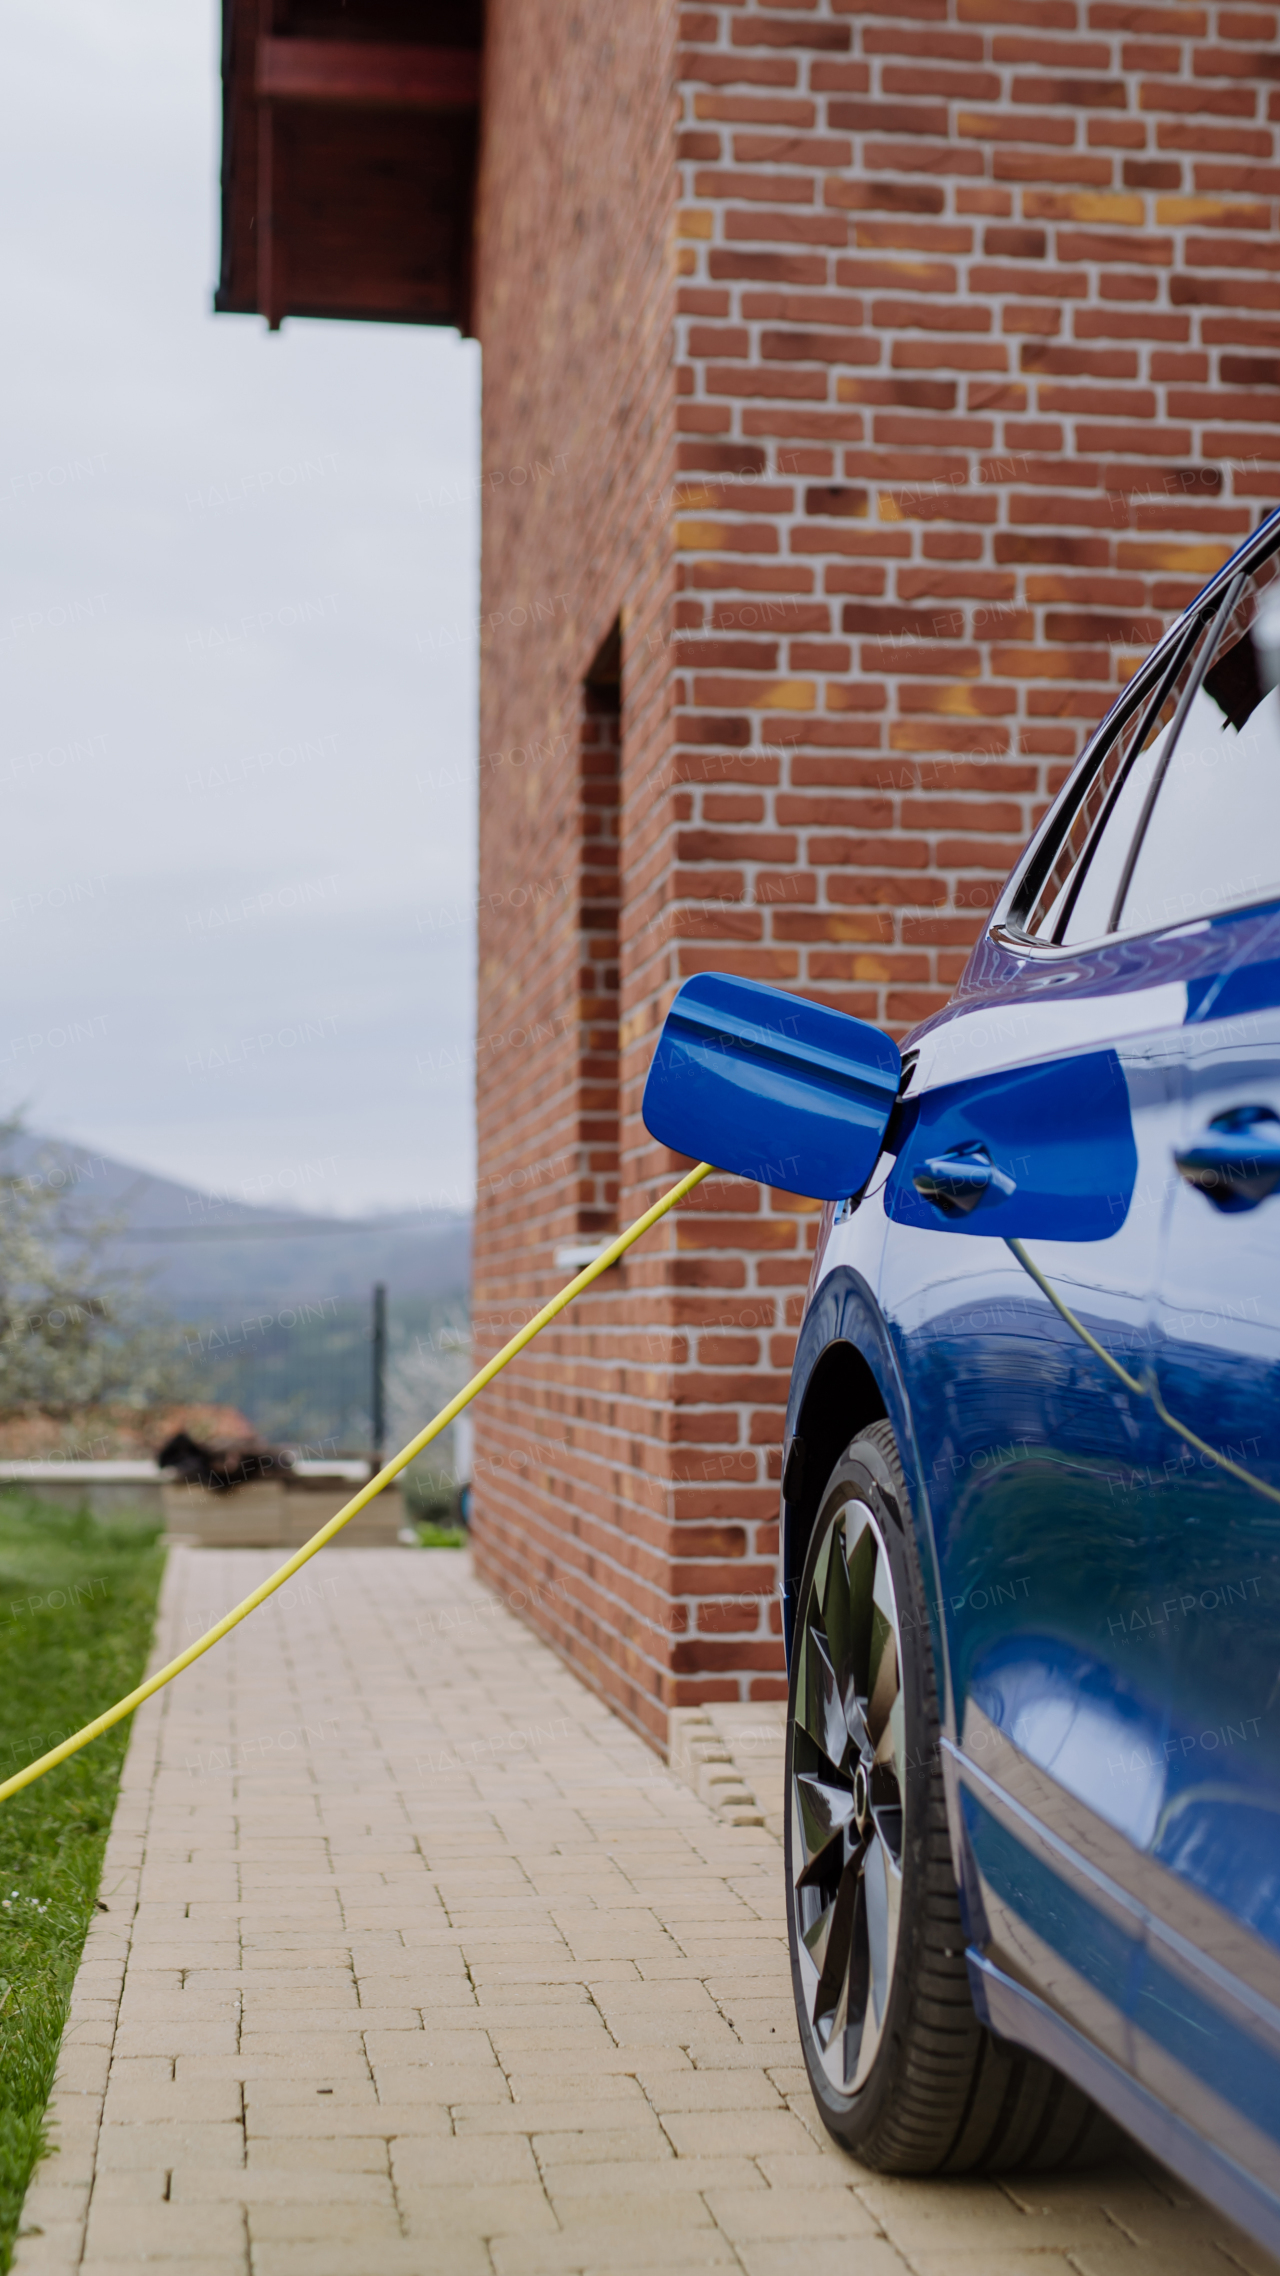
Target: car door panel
x: 1032, y: 1446
x: 1036, y: 1908
x: 1059, y: 1133
x: 1212, y: 1636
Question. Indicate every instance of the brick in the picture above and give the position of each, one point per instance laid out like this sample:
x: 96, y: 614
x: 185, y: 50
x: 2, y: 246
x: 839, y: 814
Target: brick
x: 758, y: 109
x: 1073, y: 362
x: 803, y: 228
x: 1151, y: 55
x: 1055, y: 54
x: 917, y: 157
x: 817, y: 347
x: 938, y: 79
x: 1236, y: 142
x: 1017, y: 244
x: 720, y: 70
x: 888, y: 118
x: 1053, y: 15
x: 792, y: 150
x: 1009, y: 126
x: 859, y: 196
x: 1219, y: 292
x: 901, y: 39
x: 1082, y: 206
x: 1123, y: 324
x: 905, y: 314
x: 1080, y: 94
x: 769, y: 189
x: 1263, y: 181
x: 925, y: 355
x: 1100, y: 245
x: 1251, y: 371
x: 1220, y: 62
x: 1172, y: 95
x: 912, y: 236
x: 1120, y: 16
x: 1068, y: 165
x: 918, y: 276
x: 757, y: 30
x: 782, y: 268
x: 1168, y: 442
x: 1231, y: 253
x: 1129, y: 402
x: 1060, y: 284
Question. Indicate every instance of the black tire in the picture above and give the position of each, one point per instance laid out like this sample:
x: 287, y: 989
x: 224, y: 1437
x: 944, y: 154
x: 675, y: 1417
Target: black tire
x: 916, y: 2085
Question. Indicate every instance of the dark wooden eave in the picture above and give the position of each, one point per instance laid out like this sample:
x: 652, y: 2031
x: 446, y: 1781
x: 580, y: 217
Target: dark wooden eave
x: 358, y: 74
x: 348, y: 162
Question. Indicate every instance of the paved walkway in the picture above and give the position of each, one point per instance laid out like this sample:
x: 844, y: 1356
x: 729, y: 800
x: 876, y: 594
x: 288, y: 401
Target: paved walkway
x: 415, y: 1960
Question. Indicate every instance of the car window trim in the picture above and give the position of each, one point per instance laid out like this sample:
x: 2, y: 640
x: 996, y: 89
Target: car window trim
x: 1031, y: 882
x: 1150, y: 702
x: 1152, y: 673
x: 1008, y: 925
x: 1217, y: 626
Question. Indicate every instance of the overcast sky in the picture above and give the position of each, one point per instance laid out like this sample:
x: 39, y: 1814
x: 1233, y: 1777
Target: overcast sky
x: 237, y: 648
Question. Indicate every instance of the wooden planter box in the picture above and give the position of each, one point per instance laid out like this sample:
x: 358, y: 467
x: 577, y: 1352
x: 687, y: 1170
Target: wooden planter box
x: 279, y: 1513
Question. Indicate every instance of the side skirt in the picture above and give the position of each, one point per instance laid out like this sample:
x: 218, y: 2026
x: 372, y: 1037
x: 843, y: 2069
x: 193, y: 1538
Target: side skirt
x: 1013, y: 2013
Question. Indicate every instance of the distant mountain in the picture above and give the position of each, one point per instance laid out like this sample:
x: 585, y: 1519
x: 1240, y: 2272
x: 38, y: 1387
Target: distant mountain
x: 195, y: 1246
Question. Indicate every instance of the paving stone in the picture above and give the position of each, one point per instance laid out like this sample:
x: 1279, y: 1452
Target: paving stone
x: 279, y: 2185
x: 451, y: 2255
x: 159, y: 2143
x: 160, y: 2264
x: 294, y: 2221
x: 607, y: 2245
x: 527, y: 2015
x: 760, y: 2215
x: 573, y: 2182
x: 127, y: 2228
x: 378, y: 2122
x: 307, y: 2153
x: 835, y: 2256
x: 168, y: 2101
x: 503, y: 2209
x: 487, y: 2158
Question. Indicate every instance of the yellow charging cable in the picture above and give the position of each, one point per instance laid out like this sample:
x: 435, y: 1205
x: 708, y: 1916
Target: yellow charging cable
x: 1146, y: 1389
x: 366, y: 1494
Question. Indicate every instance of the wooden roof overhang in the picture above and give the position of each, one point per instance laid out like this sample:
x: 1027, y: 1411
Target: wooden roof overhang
x: 349, y: 133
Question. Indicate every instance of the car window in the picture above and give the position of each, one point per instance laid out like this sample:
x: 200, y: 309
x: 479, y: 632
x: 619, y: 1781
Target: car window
x: 1046, y: 910
x: 1213, y: 837
x: 1086, y: 914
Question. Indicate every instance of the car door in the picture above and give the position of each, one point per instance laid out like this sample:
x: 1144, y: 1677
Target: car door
x: 1032, y: 1458
x: 1207, y: 2001
x: 1039, y: 1442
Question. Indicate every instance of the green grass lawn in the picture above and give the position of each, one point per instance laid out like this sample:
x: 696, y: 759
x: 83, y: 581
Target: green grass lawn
x: 431, y: 1508
x: 442, y: 1536
x: 77, y: 1601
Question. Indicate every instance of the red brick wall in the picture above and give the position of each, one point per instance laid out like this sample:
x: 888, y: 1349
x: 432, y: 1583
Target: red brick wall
x: 976, y: 369
x: 985, y: 295
x: 574, y: 283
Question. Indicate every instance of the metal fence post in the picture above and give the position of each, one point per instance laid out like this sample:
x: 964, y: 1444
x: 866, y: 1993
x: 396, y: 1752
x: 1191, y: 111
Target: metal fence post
x: 379, y: 1373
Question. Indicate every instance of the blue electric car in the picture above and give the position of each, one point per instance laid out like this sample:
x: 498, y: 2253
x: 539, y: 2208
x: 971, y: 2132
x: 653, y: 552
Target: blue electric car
x: 1031, y: 1488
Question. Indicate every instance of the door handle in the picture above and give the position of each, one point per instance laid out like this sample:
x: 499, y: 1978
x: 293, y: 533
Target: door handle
x: 1236, y: 1161
x: 956, y: 1182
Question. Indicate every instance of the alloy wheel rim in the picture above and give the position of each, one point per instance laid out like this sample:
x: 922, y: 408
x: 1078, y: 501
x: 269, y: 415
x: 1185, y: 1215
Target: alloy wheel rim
x: 848, y: 1795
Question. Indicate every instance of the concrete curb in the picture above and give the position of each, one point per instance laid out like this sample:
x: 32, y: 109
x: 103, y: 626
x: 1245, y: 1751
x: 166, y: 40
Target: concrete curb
x: 731, y: 1754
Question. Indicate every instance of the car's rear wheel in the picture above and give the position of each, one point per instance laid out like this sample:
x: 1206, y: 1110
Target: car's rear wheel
x: 901, y: 2069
